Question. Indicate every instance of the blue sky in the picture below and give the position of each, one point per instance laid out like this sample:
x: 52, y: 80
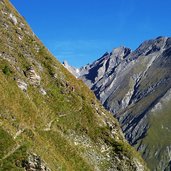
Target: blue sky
x: 81, y: 31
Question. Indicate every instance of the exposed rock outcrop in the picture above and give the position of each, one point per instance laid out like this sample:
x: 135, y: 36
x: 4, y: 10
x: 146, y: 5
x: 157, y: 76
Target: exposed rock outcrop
x: 22, y: 85
x: 33, y: 77
x: 13, y: 19
x: 34, y: 163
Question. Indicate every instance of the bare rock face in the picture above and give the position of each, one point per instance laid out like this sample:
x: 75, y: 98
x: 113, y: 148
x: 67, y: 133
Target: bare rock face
x: 33, y: 77
x: 134, y: 86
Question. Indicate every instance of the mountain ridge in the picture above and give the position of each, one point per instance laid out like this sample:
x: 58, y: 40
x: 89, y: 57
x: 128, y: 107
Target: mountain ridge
x: 131, y: 89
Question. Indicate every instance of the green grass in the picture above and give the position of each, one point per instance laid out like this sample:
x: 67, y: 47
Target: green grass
x: 158, y: 136
x: 14, y: 160
x: 68, y: 106
x: 6, y: 70
x: 6, y: 142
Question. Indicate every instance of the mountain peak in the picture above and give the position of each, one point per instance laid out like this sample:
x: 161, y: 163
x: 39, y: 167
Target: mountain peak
x: 151, y: 46
x: 121, y: 52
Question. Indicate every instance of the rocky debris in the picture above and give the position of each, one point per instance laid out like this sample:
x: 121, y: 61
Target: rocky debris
x: 104, y: 148
x: 8, y: 57
x: 21, y: 26
x: 42, y: 91
x: 49, y: 125
x: 67, y: 87
x: 81, y: 140
x: 34, y: 163
x: 18, y: 133
x: 20, y: 38
x: 22, y: 85
x: 37, y: 48
x: 33, y: 77
x: 34, y: 62
x: 13, y: 19
x: 106, y: 153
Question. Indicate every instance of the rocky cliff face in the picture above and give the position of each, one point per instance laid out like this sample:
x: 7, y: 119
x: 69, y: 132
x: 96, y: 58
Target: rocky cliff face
x: 49, y: 120
x: 135, y: 87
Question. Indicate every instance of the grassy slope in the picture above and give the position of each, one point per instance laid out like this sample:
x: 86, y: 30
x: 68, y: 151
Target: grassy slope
x: 49, y: 124
x: 158, y: 139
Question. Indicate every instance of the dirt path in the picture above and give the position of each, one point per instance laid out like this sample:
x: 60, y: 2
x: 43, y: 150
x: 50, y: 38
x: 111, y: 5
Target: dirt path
x: 11, y: 152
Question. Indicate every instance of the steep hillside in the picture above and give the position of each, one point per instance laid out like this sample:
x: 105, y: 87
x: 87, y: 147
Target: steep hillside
x: 136, y: 88
x: 48, y: 119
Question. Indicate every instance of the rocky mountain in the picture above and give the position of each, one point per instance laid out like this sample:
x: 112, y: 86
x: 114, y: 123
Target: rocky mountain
x: 49, y: 120
x: 136, y: 88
